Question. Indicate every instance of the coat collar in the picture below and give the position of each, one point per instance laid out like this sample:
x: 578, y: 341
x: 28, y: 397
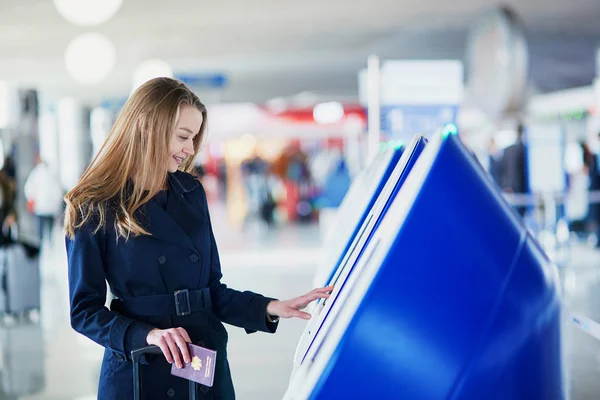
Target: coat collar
x: 182, y: 181
x: 182, y: 217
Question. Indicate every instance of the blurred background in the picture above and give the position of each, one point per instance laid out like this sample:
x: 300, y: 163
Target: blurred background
x: 300, y: 97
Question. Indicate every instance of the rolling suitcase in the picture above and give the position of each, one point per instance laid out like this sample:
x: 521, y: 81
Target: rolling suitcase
x: 137, y: 372
x: 19, y: 279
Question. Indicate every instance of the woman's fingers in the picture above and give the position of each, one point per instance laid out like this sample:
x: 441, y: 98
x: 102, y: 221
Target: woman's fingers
x: 326, y: 289
x: 320, y: 295
x: 184, y: 335
x: 173, y: 343
x: 305, y: 300
x: 300, y: 314
x: 292, y: 312
x: 183, y: 348
x: 174, y: 351
x: 165, y: 350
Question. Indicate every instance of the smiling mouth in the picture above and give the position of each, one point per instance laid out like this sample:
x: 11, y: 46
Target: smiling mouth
x: 179, y: 160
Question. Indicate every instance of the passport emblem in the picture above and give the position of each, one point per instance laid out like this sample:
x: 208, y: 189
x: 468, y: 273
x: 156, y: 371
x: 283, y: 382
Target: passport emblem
x: 196, y: 363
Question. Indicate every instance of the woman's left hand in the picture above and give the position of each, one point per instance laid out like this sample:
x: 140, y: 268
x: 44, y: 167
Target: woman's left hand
x: 291, y: 308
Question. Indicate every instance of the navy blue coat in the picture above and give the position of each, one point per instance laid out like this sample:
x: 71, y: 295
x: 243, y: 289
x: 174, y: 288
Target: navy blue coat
x: 143, y: 273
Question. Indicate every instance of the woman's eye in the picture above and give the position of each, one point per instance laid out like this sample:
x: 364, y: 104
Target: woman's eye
x: 182, y: 138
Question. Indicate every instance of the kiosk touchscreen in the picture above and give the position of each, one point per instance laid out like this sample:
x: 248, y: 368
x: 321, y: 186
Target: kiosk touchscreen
x: 364, y: 232
x: 452, y: 299
x: 354, y: 209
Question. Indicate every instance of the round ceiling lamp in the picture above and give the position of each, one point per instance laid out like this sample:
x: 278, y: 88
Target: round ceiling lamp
x: 89, y: 58
x: 150, y: 69
x: 328, y: 113
x: 87, y: 12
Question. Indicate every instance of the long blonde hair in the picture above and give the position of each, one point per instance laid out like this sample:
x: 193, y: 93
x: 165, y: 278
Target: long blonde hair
x: 137, y: 145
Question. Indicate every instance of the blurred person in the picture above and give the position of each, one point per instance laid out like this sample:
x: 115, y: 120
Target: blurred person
x: 255, y: 175
x: 292, y: 168
x: 513, y: 169
x: 592, y: 162
x: 199, y: 171
x: 9, y: 167
x: 495, y: 160
x: 587, y: 156
x: 139, y: 220
x: 577, y: 162
x: 489, y: 157
x: 8, y: 213
x: 222, y: 177
x: 44, y: 196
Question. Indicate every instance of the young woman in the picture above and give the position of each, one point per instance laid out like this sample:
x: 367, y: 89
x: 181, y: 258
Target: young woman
x: 139, y: 221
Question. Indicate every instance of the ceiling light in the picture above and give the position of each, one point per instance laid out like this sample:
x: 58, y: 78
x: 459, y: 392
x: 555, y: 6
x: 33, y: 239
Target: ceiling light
x: 87, y: 12
x: 89, y: 58
x: 150, y: 69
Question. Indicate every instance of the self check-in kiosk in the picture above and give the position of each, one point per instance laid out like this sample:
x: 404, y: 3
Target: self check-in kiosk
x: 354, y: 209
x: 358, y: 242
x: 452, y: 298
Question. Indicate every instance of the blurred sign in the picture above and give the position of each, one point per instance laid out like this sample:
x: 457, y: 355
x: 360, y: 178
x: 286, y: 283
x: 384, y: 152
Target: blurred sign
x: 413, y: 82
x: 545, y: 158
x: 417, y: 97
x: 405, y: 121
x: 421, y: 82
x: 206, y: 80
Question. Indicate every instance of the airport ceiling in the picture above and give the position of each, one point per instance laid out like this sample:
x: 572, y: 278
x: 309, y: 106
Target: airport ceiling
x: 273, y: 48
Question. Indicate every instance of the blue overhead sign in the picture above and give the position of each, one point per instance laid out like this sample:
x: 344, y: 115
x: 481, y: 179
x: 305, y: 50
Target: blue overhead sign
x: 205, y: 80
x: 115, y: 103
x: 199, y: 80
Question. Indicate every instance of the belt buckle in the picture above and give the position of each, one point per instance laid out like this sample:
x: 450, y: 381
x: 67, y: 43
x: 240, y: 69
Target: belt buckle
x: 185, y: 304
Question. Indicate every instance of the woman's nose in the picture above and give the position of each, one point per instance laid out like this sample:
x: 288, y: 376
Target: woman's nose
x: 189, y: 148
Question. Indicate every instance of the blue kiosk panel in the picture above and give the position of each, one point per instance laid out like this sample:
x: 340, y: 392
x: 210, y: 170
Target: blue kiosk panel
x: 365, y: 230
x: 364, y: 233
x: 452, y: 299
x: 354, y: 209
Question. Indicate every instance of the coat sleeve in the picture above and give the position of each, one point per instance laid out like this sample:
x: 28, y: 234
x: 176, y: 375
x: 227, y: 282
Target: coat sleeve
x: 87, y: 295
x: 246, y: 309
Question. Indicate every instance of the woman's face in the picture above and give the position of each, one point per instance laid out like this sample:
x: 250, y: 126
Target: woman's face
x: 182, y: 140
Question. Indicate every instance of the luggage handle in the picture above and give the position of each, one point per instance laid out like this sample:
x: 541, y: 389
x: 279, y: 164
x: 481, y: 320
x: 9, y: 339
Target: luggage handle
x: 136, y: 355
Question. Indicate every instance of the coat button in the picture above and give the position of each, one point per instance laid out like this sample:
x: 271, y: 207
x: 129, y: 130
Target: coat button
x: 194, y: 257
x: 120, y: 357
x: 204, y: 389
x: 162, y: 259
x: 171, y: 392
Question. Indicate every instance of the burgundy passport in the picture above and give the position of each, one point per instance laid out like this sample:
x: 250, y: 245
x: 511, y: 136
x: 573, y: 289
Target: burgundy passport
x: 202, y: 367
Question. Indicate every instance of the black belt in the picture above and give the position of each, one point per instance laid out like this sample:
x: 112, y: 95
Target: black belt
x: 181, y: 302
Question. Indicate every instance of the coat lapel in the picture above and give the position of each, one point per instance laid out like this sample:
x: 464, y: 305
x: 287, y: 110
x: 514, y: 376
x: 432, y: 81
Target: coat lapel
x: 181, y: 219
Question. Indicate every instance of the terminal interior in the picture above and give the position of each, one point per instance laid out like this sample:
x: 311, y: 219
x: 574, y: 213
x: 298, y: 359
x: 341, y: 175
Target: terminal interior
x: 437, y: 163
